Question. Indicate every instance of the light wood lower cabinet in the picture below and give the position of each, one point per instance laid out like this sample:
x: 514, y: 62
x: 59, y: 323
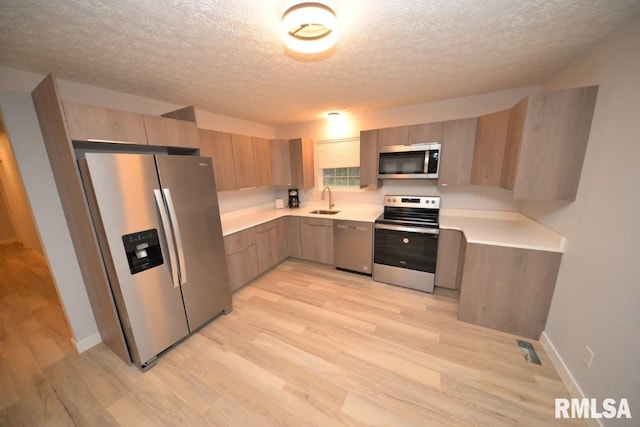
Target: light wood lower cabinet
x: 270, y: 244
x: 255, y: 250
x: 293, y: 231
x: 507, y: 288
x: 242, y: 257
x: 317, y: 240
x: 449, y: 261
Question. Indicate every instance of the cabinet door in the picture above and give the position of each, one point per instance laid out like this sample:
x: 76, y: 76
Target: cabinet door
x: 91, y: 123
x: 243, y: 161
x: 426, y: 132
x: 280, y: 156
x: 456, y: 159
x: 448, y: 265
x: 262, y: 159
x: 317, y: 240
x: 242, y: 266
x: 514, y: 140
x: 508, y: 289
x: 293, y: 233
x: 393, y: 136
x: 267, y: 246
x: 369, y: 159
x: 166, y: 132
x: 302, y: 164
x: 491, y: 137
x: 554, y: 143
x: 242, y: 257
x: 217, y: 145
x: 281, y: 239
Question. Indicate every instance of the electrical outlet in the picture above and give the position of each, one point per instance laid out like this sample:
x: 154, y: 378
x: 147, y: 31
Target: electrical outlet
x: 587, y: 356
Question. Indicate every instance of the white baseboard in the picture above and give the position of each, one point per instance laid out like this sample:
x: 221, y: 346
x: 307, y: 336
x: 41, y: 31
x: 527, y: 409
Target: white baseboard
x: 565, y: 375
x: 88, y: 342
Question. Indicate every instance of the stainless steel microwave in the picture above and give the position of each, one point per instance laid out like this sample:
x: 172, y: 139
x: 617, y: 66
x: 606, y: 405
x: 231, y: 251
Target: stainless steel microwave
x: 416, y: 161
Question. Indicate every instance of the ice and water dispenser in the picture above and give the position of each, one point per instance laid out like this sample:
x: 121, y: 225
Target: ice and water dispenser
x: 143, y: 250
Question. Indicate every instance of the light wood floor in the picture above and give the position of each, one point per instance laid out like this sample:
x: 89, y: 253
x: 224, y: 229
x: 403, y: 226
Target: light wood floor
x: 305, y: 345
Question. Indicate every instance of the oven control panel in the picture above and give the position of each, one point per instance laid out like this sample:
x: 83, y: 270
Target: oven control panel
x: 430, y: 202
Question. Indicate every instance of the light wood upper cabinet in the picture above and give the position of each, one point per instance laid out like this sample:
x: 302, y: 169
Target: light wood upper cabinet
x: 167, y: 132
x: 302, y: 164
x: 369, y: 159
x: 262, y: 160
x: 491, y: 138
x: 280, y: 155
x: 244, y: 161
x: 88, y: 122
x: 547, y: 144
x: 393, y: 136
x: 425, y: 132
x: 456, y: 157
x: 217, y: 145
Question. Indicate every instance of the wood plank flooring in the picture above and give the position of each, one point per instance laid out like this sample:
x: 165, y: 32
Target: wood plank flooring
x: 305, y: 345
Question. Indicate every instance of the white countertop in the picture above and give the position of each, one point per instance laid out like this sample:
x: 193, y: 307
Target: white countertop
x: 233, y: 222
x: 511, y: 229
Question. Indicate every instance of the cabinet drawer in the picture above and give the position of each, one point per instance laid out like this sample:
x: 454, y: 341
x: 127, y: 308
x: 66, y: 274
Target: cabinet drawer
x: 242, y: 266
x: 238, y: 241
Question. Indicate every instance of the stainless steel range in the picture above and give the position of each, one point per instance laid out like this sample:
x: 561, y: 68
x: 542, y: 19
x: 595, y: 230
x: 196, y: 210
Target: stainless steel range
x: 406, y: 242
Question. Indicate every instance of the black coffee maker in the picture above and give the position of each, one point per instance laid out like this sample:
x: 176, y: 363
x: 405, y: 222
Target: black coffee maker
x: 294, y: 200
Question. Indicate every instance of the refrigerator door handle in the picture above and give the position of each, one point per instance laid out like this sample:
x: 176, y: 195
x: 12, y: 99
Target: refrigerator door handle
x: 176, y: 233
x: 169, y: 236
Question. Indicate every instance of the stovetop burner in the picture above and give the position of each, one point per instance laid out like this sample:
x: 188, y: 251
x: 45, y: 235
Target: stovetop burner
x: 422, y: 211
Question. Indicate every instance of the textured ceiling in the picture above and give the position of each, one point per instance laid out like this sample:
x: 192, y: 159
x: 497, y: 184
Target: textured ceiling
x: 225, y: 56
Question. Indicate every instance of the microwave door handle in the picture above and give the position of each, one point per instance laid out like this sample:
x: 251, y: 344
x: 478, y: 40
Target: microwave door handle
x: 168, y: 237
x: 176, y: 232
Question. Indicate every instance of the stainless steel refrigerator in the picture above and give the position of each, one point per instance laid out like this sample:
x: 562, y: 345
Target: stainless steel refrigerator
x: 158, y: 226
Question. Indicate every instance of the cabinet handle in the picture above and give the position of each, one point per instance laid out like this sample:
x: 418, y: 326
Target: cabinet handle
x: 112, y: 141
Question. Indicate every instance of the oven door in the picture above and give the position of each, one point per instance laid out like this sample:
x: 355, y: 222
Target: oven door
x: 413, y: 248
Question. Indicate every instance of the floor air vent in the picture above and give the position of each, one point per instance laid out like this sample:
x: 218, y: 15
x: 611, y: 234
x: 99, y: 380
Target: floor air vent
x: 528, y: 352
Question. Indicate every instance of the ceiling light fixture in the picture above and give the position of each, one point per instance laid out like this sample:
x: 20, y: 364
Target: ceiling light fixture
x: 309, y: 28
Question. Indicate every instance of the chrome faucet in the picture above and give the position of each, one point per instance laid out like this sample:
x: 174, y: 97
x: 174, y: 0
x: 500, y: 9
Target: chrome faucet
x: 331, y: 203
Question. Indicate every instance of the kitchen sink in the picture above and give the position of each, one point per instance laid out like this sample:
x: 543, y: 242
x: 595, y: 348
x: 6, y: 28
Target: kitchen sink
x: 324, y: 212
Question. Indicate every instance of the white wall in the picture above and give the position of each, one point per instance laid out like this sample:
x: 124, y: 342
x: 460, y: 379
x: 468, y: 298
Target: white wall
x: 28, y: 147
x: 597, y: 296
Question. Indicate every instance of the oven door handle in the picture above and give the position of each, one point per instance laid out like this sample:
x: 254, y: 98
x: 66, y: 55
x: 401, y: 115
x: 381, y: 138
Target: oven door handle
x: 420, y: 230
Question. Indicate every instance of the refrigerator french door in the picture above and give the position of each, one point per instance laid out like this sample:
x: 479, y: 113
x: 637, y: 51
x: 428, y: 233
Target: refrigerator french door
x: 158, y: 226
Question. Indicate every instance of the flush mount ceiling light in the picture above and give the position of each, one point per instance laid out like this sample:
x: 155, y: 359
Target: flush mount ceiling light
x: 309, y: 28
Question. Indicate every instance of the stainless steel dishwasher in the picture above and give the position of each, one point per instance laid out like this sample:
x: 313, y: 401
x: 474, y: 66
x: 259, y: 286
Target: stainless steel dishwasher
x: 353, y: 246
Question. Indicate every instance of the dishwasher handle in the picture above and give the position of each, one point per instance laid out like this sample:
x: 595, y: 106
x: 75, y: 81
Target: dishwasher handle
x: 351, y: 227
